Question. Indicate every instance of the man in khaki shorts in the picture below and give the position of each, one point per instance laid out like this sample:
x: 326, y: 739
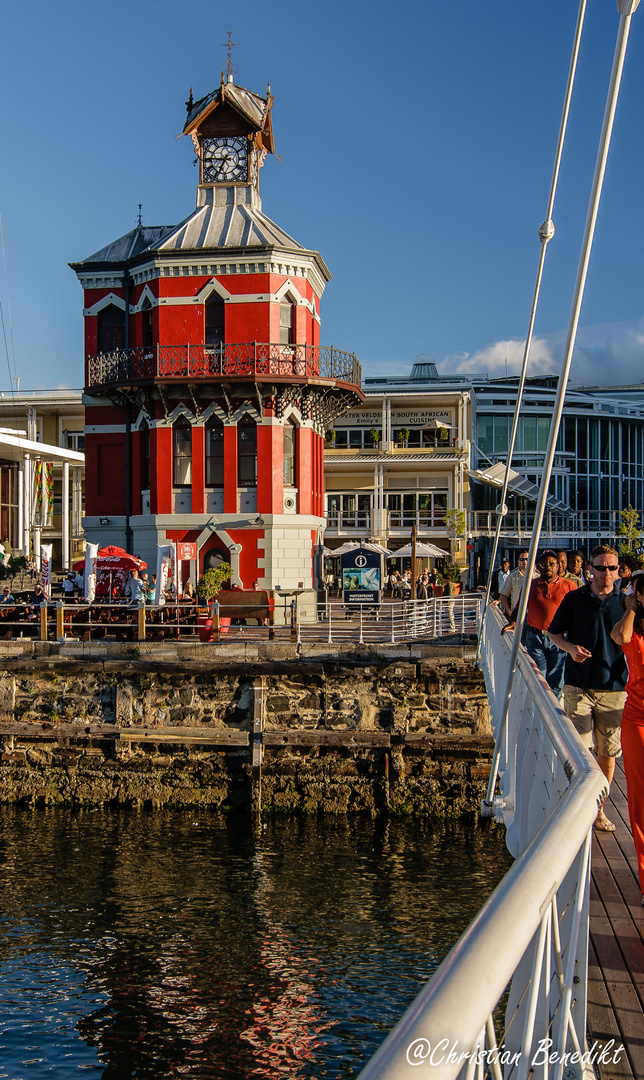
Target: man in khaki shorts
x: 596, y: 671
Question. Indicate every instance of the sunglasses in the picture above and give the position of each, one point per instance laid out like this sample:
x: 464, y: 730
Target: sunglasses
x: 607, y: 569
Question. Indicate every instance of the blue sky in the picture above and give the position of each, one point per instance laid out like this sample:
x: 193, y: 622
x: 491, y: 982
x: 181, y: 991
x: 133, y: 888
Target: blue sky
x: 416, y: 144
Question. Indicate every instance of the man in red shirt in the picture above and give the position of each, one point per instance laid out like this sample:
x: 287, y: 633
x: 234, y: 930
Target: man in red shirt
x: 546, y: 593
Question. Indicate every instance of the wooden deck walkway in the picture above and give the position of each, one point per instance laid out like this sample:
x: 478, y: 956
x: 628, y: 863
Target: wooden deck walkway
x: 616, y: 960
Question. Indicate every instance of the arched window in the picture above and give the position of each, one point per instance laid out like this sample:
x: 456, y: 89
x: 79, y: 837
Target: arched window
x: 287, y: 322
x: 289, y: 454
x: 246, y: 452
x: 215, y: 453
x: 147, y: 334
x: 182, y: 453
x: 215, y: 321
x: 111, y: 329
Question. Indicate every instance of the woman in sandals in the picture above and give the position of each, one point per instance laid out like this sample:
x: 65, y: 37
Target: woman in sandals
x: 629, y: 633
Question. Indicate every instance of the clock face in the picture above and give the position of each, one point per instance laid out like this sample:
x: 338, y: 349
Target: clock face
x: 225, y: 159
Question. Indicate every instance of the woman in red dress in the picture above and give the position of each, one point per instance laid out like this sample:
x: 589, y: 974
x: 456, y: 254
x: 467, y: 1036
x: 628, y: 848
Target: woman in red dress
x: 629, y: 633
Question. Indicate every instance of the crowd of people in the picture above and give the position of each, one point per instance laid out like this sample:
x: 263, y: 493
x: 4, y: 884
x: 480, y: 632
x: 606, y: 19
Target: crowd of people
x: 584, y: 629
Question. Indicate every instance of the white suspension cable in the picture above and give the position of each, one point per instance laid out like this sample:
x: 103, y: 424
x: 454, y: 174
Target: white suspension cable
x: 546, y: 232
x: 10, y: 357
x: 626, y: 9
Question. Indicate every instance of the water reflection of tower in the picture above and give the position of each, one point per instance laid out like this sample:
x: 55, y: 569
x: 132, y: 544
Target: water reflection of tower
x: 285, y: 1024
x: 208, y: 390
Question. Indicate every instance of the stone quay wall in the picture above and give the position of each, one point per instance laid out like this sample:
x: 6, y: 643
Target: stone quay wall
x: 401, y: 730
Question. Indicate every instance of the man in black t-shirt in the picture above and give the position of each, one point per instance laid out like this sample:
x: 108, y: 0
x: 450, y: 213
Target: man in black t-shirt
x: 595, y: 667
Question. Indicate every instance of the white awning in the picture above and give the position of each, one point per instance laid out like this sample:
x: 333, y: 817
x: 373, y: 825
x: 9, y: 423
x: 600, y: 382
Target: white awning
x: 518, y: 485
x: 39, y: 450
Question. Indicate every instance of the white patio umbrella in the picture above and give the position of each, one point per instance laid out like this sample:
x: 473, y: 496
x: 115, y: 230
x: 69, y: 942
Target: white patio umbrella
x: 423, y: 551
x: 351, y: 545
x: 436, y: 425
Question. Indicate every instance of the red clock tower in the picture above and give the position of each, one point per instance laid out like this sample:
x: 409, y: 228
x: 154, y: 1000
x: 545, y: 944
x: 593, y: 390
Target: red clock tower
x: 207, y: 392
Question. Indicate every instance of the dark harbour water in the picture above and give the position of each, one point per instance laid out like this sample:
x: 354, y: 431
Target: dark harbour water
x: 164, y: 945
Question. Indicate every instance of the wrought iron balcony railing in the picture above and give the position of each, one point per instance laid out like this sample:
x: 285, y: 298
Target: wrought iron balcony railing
x: 255, y: 359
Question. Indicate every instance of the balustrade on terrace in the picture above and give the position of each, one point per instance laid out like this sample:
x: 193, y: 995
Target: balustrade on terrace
x: 254, y: 359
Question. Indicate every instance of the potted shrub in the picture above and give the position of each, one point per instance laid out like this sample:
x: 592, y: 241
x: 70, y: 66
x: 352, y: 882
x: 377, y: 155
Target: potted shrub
x: 374, y: 437
x: 403, y: 436
x: 329, y: 437
x: 208, y: 586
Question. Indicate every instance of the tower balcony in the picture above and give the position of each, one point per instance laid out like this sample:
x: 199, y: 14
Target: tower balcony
x: 255, y: 360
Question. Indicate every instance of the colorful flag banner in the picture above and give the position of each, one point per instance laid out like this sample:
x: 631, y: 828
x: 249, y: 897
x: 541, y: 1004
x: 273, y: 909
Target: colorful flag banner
x: 44, y: 493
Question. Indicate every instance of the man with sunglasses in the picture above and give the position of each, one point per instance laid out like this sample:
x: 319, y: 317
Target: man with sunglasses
x: 596, y: 672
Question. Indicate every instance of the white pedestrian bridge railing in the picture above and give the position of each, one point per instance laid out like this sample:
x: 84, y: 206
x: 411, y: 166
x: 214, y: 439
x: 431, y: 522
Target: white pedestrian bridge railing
x: 509, y: 1001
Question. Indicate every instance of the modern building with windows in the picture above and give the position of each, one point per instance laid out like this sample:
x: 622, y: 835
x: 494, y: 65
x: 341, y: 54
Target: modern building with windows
x: 379, y: 490
x: 398, y: 461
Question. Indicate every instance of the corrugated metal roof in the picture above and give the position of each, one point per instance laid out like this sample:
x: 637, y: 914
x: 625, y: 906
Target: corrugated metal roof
x: 131, y: 244
x: 250, y: 105
x: 233, y: 224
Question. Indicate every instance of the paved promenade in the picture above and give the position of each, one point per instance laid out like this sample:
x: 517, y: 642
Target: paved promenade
x: 616, y: 972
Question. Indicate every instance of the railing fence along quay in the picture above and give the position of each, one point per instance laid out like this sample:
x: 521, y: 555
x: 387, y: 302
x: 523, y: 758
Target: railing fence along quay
x: 331, y: 623
x: 253, y: 358
x: 520, y: 523
x: 532, y: 933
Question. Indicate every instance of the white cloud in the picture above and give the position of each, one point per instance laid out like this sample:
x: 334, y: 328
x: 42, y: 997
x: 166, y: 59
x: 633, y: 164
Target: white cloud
x: 605, y: 355
x: 501, y: 358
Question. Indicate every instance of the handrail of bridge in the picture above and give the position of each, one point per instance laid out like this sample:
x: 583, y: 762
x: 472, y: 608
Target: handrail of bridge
x: 532, y: 933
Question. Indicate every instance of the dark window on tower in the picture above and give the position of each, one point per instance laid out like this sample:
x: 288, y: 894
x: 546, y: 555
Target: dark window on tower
x: 215, y: 453
x: 147, y: 336
x: 182, y: 440
x: 289, y: 454
x: 215, y: 321
x: 111, y: 329
x: 247, y: 452
x: 287, y: 322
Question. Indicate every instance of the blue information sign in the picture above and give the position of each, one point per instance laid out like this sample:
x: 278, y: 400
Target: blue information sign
x: 361, y: 576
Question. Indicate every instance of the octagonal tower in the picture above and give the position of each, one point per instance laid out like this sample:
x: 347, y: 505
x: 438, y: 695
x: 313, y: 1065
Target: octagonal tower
x: 207, y: 392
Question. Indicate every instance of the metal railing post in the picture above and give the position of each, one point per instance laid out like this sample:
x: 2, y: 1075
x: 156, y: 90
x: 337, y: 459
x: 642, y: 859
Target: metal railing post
x: 329, y: 605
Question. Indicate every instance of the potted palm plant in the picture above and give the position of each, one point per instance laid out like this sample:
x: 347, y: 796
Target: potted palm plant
x: 403, y: 436
x: 374, y: 437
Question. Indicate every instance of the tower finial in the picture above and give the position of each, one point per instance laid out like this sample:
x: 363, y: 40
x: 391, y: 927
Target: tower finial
x: 139, y: 220
x: 230, y: 45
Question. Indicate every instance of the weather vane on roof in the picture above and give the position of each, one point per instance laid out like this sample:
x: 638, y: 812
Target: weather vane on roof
x: 230, y: 45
